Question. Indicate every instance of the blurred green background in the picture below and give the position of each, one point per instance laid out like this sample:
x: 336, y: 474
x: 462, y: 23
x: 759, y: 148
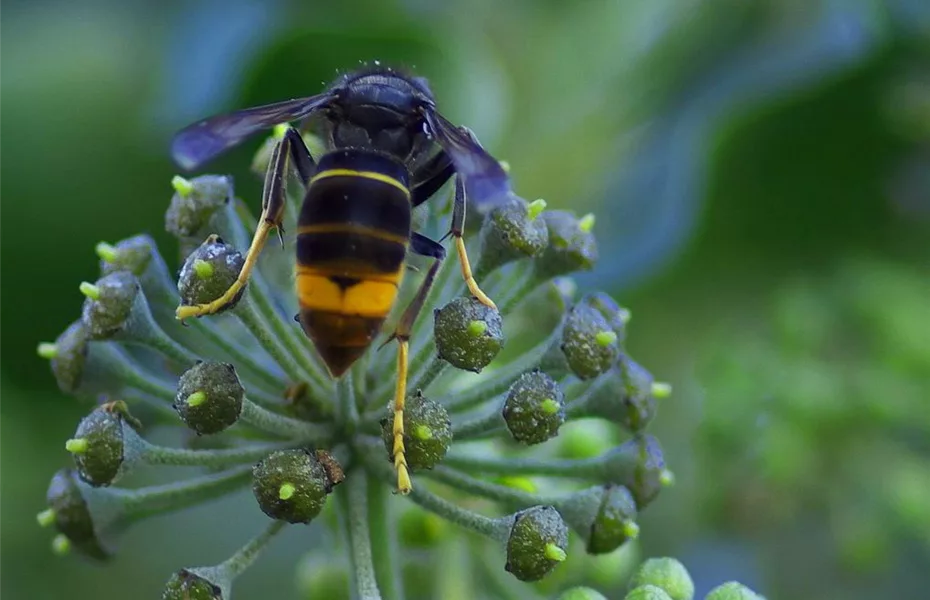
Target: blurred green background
x: 761, y: 176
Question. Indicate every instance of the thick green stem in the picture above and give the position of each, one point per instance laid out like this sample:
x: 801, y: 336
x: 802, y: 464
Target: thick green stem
x: 353, y: 503
x: 384, y: 547
x: 260, y: 328
x: 148, y: 501
x: 492, y: 465
x: 160, y: 455
x: 281, y: 425
x: 242, y: 360
x: 236, y: 564
x: 483, y: 426
x: 492, y: 491
x: 497, y: 529
x: 122, y: 365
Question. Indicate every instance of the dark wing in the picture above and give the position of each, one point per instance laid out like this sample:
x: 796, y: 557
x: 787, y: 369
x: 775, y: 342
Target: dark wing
x: 198, y: 143
x: 486, y: 182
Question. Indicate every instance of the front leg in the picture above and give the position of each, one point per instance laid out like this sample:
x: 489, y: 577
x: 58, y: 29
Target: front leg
x: 291, y: 147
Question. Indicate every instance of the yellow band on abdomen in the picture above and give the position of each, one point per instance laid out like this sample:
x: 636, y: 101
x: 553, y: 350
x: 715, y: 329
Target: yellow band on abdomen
x: 367, y: 298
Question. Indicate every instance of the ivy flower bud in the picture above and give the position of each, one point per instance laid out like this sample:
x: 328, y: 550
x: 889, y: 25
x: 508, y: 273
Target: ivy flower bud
x: 292, y: 485
x: 105, y: 444
x: 572, y: 246
x: 665, y: 573
x: 617, y: 316
x: 68, y: 356
x: 72, y: 516
x: 209, y: 271
x: 626, y: 396
x: 209, y: 397
x: 109, y: 304
x: 468, y: 334
x: 603, y: 516
x: 581, y: 593
x: 589, y: 343
x: 186, y: 585
x: 511, y: 232
x: 647, y: 592
x: 132, y: 254
x: 535, y: 408
x: 639, y: 465
x: 427, y: 432
x: 732, y: 590
x: 537, y: 543
x: 194, y: 202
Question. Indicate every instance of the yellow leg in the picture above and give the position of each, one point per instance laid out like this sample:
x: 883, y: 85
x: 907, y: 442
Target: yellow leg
x: 400, y: 396
x: 258, y: 242
x: 467, y: 275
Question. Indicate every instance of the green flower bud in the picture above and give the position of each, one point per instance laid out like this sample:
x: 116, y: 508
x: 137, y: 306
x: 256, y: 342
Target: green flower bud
x: 72, y: 516
x: 209, y: 397
x: 105, y: 444
x: 107, y: 311
x: 427, y: 432
x: 132, y: 254
x: 589, y: 343
x: 639, y: 465
x: 603, y: 516
x: 626, y: 396
x: 511, y: 232
x: 292, y: 485
x: 468, y: 334
x: 667, y: 574
x: 194, y: 202
x: 69, y: 357
x: 535, y: 408
x: 731, y: 590
x: 571, y: 248
x: 186, y: 585
x: 537, y: 543
x: 209, y: 271
x: 581, y: 593
x: 647, y: 592
x: 616, y: 316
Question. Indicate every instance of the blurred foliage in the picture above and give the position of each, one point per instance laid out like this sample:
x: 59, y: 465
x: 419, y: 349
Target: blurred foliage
x: 741, y: 155
x: 816, y: 423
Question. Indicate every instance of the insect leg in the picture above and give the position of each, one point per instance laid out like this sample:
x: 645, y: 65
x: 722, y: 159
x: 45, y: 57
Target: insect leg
x: 458, y: 224
x: 273, y: 199
x: 426, y: 247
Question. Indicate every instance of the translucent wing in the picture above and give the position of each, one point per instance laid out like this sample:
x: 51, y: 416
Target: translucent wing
x: 486, y: 182
x: 198, y: 143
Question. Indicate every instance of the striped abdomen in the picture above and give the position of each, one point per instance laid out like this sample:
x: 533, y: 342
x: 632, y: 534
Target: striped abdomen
x: 352, y: 238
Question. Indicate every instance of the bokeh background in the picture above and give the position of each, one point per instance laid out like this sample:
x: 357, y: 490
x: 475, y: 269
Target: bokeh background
x: 761, y: 176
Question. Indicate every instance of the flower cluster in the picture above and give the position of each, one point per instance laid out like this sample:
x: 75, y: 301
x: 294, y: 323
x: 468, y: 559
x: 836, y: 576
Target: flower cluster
x: 666, y: 579
x: 263, y: 412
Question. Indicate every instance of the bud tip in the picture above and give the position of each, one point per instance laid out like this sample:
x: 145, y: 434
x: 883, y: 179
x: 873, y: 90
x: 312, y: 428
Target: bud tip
x: 279, y: 130
x: 182, y: 186
x: 549, y: 406
x: 46, y: 518
x: 90, y: 290
x: 203, y: 269
x: 196, y: 399
x: 667, y: 478
x: 586, y: 223
x: 423, y: 432
x: 660, y: 389
x: 476, y: 328
x: 76, y: 445
x: 286, y: 491
x: 61, y: 545
x: 553, y: 552
x: 535, y: 208
x: 605, y: 338
x: 106, y: 252
x: 47, y: 350
x: 630, y: 529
